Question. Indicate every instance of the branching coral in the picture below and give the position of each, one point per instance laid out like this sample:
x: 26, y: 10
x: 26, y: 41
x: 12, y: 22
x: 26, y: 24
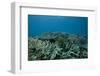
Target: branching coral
x: 50, y: 46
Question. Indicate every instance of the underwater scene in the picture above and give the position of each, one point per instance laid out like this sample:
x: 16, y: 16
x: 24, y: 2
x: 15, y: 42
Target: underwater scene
x: 57, y: 37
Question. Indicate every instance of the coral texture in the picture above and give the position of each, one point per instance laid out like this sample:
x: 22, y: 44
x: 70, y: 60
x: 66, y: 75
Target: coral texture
x: 57, y: 45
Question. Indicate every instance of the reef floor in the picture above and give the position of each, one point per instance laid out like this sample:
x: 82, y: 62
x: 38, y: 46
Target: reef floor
x: 57, y: 45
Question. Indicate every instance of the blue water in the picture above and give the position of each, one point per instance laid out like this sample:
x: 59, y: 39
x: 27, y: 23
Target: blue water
x: 38, y: 24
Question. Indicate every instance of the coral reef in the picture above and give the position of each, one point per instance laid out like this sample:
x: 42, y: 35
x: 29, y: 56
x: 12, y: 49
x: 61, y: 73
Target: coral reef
x: 57, y: 45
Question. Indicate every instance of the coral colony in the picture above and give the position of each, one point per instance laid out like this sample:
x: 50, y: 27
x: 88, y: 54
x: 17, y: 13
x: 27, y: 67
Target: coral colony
x: 57, y: 45
x: 57, y: 37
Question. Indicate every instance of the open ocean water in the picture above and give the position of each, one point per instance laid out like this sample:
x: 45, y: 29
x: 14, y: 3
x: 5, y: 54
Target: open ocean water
x: 38, y: 24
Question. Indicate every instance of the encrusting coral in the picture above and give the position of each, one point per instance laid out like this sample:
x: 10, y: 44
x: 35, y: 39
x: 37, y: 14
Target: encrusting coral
x: 57, y: 45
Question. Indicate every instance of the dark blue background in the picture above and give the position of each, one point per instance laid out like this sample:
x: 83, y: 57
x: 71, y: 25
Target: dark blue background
x: 38, y: 24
